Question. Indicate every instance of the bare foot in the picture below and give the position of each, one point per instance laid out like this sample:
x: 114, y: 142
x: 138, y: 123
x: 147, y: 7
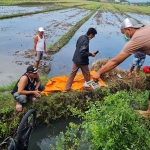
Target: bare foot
x: 136, y: 75
x: 18, y: 107
x: 129, y: 74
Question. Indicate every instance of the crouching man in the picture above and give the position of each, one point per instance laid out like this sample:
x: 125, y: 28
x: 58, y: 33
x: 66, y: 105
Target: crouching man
x: 28, y: 87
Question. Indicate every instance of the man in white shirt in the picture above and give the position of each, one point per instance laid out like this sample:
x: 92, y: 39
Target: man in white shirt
x: 39, y: 46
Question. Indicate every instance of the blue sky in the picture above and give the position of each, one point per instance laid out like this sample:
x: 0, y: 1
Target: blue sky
x: 139, y: 0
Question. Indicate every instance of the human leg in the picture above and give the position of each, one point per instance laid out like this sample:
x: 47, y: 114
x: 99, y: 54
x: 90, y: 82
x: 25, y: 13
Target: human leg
x: 38, y: 58
x: 19, y: 100
x: 68, y: 85
x: 147, y: 112
x: 137, y: 71
x: 36, y: 64
x: 140, y: 63
x: 86, y: 74
x: 135, y: 61
x: 41, y: 87
x: 131, y: 70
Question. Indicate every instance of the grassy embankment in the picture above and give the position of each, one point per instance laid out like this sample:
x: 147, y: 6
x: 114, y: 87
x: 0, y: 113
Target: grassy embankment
x: 52, y: 105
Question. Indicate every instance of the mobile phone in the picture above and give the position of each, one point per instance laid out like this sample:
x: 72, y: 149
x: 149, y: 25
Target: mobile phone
x: 96, y: 52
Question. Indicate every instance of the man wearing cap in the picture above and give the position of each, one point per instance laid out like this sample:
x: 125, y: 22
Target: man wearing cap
x: 139, y: 41
x: 26, y: 88
x: 39, y: 46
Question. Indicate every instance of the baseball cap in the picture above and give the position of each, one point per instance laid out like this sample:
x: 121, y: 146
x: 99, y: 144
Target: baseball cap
x: 41, y: 29
x: 32, y: 69
x: 130, y: 22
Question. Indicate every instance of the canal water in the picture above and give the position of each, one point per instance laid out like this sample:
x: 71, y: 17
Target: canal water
x: 43, y: 136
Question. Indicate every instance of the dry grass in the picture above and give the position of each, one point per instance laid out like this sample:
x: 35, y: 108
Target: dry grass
x: 111, y: 78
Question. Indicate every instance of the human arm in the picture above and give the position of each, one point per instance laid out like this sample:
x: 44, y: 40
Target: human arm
x: 35, y: 43
x: 38, y: 82
x: 45, y: 47
x: 111, y: 64
x: 21, y: 86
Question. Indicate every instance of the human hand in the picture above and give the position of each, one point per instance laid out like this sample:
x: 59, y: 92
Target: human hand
x: 37, y: 94
x: 96, y: 76
x: 93, y: 54
x: 35, y: 53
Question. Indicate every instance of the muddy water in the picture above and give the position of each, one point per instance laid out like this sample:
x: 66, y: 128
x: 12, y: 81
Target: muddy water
x: 9, y: 10
x: 109, y: 41
x: 43, y: 136
x: 145, y: 19
x: 17, y: 38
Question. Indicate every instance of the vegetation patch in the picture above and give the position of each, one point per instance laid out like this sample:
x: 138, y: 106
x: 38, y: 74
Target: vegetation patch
x: 109, y: 124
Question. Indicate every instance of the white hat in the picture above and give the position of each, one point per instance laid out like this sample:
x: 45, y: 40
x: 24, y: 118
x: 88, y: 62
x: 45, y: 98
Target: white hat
x: 130, y: 22
x: 41, y: 29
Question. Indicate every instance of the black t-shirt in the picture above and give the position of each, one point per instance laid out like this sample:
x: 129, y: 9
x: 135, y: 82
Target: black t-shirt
x: 29, y: 86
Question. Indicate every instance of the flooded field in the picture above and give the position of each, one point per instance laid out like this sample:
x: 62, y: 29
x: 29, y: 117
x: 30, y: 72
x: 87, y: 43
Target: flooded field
x: 18, y: 34
x: 9, y: 10
x: 109, y: 41
x: 17, y: 49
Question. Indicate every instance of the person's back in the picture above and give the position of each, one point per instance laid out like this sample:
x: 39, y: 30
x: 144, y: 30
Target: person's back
x: 81, y: 54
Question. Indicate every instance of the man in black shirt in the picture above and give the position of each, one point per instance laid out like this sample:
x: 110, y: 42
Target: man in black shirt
x: 81, y: 58
x: 25, y: 88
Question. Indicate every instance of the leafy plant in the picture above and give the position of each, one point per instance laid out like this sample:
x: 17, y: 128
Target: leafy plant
x: 109, y: 125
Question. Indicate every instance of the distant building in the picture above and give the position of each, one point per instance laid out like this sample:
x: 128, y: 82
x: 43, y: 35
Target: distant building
x: 104, y: 1
x: 117, y: 1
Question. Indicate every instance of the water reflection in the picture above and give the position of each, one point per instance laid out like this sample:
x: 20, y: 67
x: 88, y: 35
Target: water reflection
x: 145, y: 19
x: 109, y: 41
x: 17, y: 35
x: 9, y: 10
x: 43, y: 136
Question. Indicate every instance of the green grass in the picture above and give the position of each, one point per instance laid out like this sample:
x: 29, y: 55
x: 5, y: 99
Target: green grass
x: 8, y: 87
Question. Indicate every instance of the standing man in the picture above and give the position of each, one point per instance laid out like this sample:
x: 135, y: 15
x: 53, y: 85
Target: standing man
x: 39, y: 46
x: 81, y: 58
x: 139, y: 41
x: 26, y: 88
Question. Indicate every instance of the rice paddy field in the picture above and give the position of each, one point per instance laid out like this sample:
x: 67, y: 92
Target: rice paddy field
x: 20, y: 20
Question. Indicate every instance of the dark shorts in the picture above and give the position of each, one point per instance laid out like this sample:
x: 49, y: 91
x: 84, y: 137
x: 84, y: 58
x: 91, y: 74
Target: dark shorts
x: 39, y: 55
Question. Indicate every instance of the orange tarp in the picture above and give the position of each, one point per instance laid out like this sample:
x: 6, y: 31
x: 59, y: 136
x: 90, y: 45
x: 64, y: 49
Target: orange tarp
x: 58, y: 83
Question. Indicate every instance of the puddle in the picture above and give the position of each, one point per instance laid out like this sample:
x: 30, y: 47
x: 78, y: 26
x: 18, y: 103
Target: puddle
x: 109, y: 41
x: 18, y: 33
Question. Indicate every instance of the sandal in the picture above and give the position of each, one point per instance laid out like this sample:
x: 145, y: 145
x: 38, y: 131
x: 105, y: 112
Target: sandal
x: 35, y: 100
x: 18, y: 107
